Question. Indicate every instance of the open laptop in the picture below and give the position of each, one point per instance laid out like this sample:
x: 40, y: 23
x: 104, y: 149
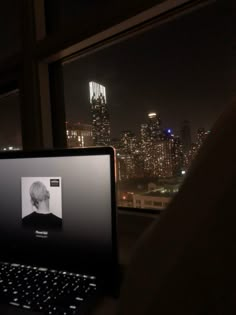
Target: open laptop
x: 58, y: 228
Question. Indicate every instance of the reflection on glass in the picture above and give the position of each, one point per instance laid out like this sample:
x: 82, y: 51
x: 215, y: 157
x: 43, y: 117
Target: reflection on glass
x: 154, y: 97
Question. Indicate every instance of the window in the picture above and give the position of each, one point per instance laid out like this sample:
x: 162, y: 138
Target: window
x: 154, y: 97
x: 157, y: 203
x: 164, y: 77
x: 152, y: 89
x: 147, y: 202
x: 10, y: 126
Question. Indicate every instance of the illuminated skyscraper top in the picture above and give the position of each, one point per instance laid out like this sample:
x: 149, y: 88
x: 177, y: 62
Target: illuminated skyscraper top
x: 152, y: 115
x: 97, y: 91
x: 100, y: 114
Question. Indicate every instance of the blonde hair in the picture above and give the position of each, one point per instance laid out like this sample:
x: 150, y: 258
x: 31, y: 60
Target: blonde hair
x: 38, y: 193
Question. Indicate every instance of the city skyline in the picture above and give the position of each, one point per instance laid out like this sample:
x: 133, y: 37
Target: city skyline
x: 100, y: 119
x: 169, y: 131
x: 138, y: 133
x: 155, y: 152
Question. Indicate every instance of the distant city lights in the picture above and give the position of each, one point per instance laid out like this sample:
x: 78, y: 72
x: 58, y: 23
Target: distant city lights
x: 10, y: 148
x: 156, y: 152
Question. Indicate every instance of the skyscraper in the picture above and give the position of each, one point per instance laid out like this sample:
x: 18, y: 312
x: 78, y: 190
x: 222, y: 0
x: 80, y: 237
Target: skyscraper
x: 151, y: 134
x: 177, y: 156
x: 154, y: 126
x: 128, y: 141
x: 130, y: 157
x: 185, y: 133
x: 201, y: 136
x: 144, y: 133
x: 100, y: 114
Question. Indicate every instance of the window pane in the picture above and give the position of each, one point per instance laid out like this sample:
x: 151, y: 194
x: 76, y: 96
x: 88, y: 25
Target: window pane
x: 10, y: 28
x: 154, y: 97
x: 10, y: 127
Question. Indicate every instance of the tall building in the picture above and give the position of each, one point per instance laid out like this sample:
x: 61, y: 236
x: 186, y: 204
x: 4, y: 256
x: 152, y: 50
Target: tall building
x: 154, y: 126
x: 160, y: 149
x: 151, y: 134
x: 130, y: 160
x: 177, y: 156
x: 143, y: 140
x: 128, y: 141
x: 144, y: 133
x: 125, y: 166
x: 79, y: 135
x: 185, y: 133
x: 192, y: 154
x: 201, y: 136
x: 100, y: 114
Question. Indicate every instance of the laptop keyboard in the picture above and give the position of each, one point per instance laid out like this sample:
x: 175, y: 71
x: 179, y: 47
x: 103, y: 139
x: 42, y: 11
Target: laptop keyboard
x: 40, y: 289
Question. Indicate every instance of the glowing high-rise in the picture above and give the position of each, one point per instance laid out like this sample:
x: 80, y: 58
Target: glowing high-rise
x: 100, y: 114
x: 154, y: 126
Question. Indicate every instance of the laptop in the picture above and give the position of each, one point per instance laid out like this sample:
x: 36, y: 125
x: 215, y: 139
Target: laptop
x: 58, y: 247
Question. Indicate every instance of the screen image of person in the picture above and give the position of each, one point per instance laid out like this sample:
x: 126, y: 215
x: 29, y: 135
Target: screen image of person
x: 41, y: 217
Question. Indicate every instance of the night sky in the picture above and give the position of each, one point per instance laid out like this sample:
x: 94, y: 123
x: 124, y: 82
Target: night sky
x: 182, y: 69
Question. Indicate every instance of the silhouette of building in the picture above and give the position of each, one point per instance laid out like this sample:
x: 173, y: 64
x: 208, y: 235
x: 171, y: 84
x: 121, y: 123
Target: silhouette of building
x: 185, y: 133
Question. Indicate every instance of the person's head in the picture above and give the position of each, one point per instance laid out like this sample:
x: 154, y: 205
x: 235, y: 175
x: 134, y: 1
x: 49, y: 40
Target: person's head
x: 39, y: 195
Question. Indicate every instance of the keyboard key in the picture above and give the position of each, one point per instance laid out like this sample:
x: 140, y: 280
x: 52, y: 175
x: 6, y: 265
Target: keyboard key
x: 41, y: 289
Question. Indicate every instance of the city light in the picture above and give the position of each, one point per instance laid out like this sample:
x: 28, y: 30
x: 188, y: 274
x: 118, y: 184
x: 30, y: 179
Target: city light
x: 96, y: 90
x: 156, y: 152
x: 10, y: 148
x: 152, y: 115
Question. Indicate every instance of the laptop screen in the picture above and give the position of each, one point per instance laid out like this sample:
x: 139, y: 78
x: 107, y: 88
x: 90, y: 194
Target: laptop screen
x: 57, y: 209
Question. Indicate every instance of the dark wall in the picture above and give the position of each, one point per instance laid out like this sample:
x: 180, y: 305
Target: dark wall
x: 92, y: 14
x: 10, y: 27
